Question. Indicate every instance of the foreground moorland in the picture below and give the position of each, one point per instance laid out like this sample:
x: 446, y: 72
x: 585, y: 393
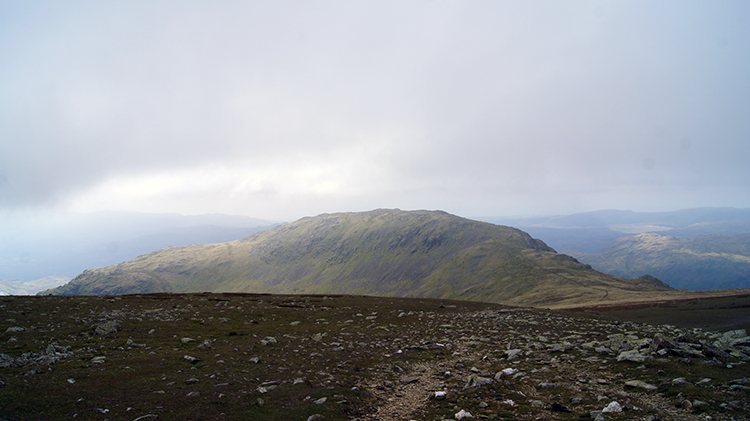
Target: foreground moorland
x: 313, y: 357
x: 721, y: 310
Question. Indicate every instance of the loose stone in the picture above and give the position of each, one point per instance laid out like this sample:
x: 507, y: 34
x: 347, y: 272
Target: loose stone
x: 640, y: 384
x: 476, y: 381
x: 409, y: 380
x: 463, y: 414
x: 558, y: 407
x: 614, y: 407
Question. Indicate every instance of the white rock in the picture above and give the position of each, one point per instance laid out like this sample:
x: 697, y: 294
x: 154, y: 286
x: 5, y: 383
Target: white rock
x: 613, y: 407
x: 268, y: 340
x: 463, y: 414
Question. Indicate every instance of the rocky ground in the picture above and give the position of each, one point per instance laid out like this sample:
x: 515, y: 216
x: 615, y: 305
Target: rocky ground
x: 263, y: 357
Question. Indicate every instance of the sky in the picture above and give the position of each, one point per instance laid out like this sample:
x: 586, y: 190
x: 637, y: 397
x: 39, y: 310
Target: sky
x: 286, y: 109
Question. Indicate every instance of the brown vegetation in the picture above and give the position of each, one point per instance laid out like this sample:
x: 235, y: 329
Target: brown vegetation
x: 269, y: 357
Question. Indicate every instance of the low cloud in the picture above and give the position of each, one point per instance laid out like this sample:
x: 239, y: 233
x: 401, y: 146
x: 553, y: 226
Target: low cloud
x: 292, y: 109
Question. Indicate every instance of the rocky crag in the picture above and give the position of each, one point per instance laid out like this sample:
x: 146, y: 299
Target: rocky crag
x: 264, y: 357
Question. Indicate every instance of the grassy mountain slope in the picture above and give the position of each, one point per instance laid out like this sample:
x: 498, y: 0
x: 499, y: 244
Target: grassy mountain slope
x: 382, y: 252
x: 704, y: 262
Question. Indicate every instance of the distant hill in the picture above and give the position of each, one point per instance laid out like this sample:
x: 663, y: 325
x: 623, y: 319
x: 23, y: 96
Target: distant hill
x: 382, y: 252
x: 715, y: 261
x: 695, y: 249
x: 623, y: 218
x: 590, y: 232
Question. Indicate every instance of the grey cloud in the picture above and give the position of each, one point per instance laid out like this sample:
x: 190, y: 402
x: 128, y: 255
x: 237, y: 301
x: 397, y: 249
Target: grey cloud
x: 465, y: 100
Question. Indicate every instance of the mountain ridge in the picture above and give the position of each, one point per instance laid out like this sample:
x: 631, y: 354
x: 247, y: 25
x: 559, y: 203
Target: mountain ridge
x: 590, y: 232
x: 718, y: 261
x: 385, y: 252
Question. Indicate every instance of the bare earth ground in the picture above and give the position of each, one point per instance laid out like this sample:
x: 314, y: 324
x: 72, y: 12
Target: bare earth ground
x: 264, y: 357
x: 605, y: 296
x: 714, y: 310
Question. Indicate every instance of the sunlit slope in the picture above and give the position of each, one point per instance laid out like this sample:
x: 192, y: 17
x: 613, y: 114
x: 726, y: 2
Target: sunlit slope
x: 382, y: 252
x: 715, y: 261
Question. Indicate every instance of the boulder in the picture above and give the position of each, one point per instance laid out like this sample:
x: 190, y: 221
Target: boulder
x: 268, y: 340
x: 462, y: 414
x: 633, y: 355
x: 640, y: 384
x: 476, y: 381
x: 513, y: 353
x: 613, y: 407
x: 408, y: 380
x: 662, y: 345
x: 107, y: 328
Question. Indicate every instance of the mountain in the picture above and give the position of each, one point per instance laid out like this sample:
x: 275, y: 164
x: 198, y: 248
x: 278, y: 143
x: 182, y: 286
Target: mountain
x: 623, y: 218
x: 714, y: 261
x: 696, y: 249
x: 590, y: 232
x: 381, y: 252
x: 37, y: 248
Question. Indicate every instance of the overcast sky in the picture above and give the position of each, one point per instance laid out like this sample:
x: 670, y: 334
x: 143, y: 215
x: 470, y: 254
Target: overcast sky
x: 281, y: 110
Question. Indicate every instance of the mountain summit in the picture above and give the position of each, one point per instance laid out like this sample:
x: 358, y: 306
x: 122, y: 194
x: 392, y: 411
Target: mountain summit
x: 382, y: 252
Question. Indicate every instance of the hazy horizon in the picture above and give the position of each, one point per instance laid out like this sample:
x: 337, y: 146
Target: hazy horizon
x: 45, y: 251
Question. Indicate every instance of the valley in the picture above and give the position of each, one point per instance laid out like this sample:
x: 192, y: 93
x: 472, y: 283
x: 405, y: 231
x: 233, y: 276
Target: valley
x: 695, y: 249
x: 715, y: 261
